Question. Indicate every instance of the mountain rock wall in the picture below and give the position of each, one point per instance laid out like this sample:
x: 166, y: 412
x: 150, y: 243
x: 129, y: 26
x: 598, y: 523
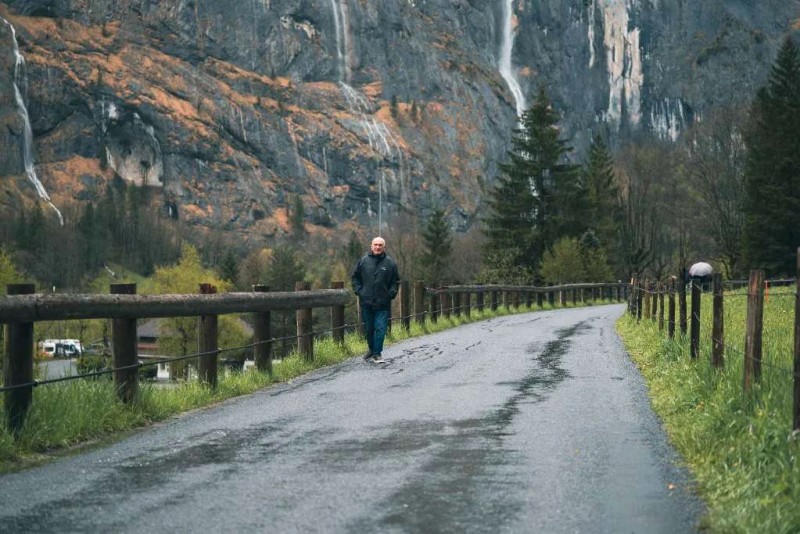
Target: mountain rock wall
x: 234, y: 109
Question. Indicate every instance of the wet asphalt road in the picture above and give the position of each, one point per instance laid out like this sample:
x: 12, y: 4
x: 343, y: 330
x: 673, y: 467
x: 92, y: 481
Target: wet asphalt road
x: 536, y: 422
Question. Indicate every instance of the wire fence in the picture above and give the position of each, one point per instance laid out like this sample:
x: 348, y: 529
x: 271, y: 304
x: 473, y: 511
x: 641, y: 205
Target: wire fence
x: 648, y: 301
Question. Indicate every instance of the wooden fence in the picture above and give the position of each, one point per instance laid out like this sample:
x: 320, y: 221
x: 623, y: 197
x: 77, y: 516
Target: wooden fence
x: 647, y: 300
x: 22, y: 308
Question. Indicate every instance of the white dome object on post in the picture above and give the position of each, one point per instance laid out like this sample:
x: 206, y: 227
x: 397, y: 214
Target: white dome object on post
x: 700, y: 269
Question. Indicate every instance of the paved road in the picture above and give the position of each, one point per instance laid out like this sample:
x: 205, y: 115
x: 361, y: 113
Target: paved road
x: 57, y: 368
x: 530, y: 423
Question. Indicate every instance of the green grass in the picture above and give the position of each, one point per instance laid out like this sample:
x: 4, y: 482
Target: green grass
x: 85, y: 411
x: 740, y: 447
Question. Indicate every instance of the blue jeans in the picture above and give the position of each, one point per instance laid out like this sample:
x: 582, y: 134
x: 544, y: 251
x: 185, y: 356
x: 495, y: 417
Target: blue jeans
x: 375, y: 322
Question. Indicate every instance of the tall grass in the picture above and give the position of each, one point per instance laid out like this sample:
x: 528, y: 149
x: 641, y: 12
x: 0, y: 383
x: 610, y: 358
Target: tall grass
x: 739, y: 446
x: 75, y: 412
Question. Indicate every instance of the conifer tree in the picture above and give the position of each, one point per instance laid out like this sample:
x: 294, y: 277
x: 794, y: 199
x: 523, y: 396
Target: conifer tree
x: 91, y: 238
x: 602, y: 213
x: 771, y: 231
x: 283, y: 271
x: 229, y: 267
x: 438, y: 242
x: 538, y: 197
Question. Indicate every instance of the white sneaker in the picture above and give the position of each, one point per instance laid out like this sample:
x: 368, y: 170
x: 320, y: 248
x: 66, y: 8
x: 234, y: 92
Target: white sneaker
x: 377, y: 359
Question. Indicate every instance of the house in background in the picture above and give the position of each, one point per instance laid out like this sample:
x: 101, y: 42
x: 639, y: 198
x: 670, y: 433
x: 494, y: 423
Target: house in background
x: 149, y: 332
x: 147, y: 337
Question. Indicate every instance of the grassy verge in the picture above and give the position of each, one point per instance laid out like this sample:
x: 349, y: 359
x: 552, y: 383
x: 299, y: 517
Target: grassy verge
x: 739, y: 447
x: 83, y: 411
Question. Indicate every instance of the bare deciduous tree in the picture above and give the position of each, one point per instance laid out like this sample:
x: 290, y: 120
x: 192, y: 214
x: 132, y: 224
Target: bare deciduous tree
x: 716, y: 155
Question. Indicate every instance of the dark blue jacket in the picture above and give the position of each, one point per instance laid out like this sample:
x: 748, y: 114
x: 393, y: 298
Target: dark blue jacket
x: 375, y: 280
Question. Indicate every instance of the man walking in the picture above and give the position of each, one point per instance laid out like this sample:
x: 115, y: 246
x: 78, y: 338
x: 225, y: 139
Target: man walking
x: 375, y: 280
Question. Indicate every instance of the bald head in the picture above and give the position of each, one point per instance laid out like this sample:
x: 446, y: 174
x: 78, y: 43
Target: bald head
x: 378, y: 245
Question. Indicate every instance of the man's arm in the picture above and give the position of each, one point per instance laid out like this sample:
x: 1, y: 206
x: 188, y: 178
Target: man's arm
x: 395, y: 281
x: 355, y: 278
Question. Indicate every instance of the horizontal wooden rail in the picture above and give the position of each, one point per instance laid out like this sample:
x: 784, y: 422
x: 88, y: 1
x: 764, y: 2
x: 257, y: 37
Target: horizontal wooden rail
x: 44, y: 307
x: 532, y: 289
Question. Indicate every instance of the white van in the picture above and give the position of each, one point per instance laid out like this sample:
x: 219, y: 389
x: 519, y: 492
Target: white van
x: 60, y: 348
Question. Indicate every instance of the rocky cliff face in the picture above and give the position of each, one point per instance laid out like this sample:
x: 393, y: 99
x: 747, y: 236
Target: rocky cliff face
x: 233, y: 109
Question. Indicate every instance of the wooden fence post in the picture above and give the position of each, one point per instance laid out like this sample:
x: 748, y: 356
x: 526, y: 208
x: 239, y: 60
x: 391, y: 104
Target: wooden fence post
x: 539, y: 299
x: 631, y: 299
x: 495, y: 302
x: 457, y: 310
x: 671, y: 322
x: 574, y: 296
x: 654, y: 308
x: 305, y: 336
x: 551, y: 298
x: 479, y: 301
x: 754, y: 328
x: 337, y: 317
x: 18, y: 365
x: 661, y: 290
x: 419, y: 302
x: 682, y: 305
x: 563, y: 299
x: 646, y: 298
x: 695, y: 332
x: 444, y: 302
x: 718, y: 326
x: 124, y: 349
x: 639, y: 298
x: 435, y: 299
x: 262, y: 351
x: 796, y: 425
x: 468, y: 304
x: 405, y: 304
x: 208, y: 338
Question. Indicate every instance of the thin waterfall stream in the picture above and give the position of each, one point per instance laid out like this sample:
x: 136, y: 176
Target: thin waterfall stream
x: 504, y: 63
x: 378, y: 134
x: 27, y: 148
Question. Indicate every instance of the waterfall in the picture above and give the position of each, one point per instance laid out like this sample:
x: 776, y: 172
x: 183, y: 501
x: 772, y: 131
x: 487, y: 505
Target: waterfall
x: 378, y: 135
x: 27, y: 146
x: 591, y: 33
x: 341, y: 23
x: 506, y: 69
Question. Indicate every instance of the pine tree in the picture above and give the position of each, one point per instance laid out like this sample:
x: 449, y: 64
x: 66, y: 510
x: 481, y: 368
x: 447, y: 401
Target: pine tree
x: 771, y: 231
x: 602, y: 212
x: 284, y: 270
x: 229, y: 267
x: 91, y: 240
x: 438, y: 243
x: 538, y: 197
